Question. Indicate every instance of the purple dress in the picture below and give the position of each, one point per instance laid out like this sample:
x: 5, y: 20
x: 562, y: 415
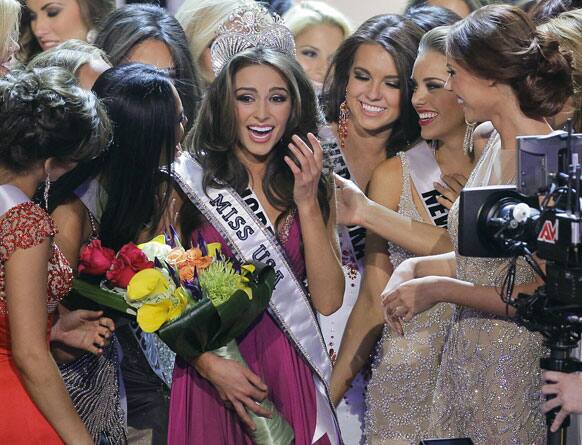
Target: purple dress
x: 198, y: 416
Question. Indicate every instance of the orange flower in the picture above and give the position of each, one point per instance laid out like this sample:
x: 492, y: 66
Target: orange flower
x: 186, y: 272
x: 193, y: 257
x: 176, y: 256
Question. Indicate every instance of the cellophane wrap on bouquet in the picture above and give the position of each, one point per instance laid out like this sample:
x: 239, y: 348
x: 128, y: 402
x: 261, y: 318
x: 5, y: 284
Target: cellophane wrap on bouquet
x: 196, y: 301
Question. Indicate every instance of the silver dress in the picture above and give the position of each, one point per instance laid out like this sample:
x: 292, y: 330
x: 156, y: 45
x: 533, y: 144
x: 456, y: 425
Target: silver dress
x: 489, y: 382
x: 405, y: 369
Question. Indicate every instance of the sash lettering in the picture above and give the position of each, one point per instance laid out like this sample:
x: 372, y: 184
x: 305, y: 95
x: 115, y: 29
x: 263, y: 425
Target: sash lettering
x: 243, y: 224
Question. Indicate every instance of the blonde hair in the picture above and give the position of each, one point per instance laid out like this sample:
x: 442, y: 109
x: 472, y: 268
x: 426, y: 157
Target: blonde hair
x: 567, y: 28
x: 200, y: 20
x: 310, y: 13
x: 9, y: 20
x: 70, y: 55
x: 92, y: 12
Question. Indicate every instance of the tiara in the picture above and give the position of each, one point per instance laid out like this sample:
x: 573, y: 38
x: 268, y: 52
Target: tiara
x: 250, y: 26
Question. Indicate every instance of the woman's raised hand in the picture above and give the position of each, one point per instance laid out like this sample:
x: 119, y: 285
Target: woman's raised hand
x: 308, y: 172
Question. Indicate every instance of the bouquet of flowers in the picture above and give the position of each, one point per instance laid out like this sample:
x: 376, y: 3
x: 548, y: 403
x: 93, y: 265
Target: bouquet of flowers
x: 196, y: 301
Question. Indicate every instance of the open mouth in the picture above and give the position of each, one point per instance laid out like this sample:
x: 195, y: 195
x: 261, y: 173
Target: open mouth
x: 260, y: 133
x: 426, y: 117
x: 372, y: 110
x: 460, y: 100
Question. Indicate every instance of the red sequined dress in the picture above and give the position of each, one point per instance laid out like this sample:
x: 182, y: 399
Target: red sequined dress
x: 24, y: 226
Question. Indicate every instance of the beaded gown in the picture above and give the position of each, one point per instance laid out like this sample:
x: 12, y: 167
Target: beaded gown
x: 489, y: 382
x: 405, y: 369
x: 22, y: 227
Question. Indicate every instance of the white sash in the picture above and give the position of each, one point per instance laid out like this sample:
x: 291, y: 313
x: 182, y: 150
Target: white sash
x: 355, y: 234
x: 425, y: 171
x: 10, y: 197
x: 250, y: 240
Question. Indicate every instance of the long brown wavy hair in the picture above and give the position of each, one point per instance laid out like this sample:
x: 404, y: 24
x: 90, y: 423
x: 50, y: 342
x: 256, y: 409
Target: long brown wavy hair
x: 215, y: 134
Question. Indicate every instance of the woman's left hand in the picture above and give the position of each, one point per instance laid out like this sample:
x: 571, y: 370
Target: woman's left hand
x: 83, y: 329
x: 308, y: 172
x: 410, y: 298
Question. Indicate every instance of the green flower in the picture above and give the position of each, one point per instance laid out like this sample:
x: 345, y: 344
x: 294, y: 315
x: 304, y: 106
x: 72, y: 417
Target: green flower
x: 220, y: 281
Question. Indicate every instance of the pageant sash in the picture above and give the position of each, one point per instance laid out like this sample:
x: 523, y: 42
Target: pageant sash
x: 355, y: 234
x: 251, y: 240
x: 424, y: 171
x: 10, y: 197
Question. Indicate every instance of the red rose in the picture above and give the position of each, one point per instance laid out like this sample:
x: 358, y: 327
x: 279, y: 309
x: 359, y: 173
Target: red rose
x: 129, y: 261
x: 95, y: 259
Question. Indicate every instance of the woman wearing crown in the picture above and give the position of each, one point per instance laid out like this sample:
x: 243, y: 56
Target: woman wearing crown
x: 259, y: 191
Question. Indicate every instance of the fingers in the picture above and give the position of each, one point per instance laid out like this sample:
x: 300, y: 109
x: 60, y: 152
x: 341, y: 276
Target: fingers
x: 560, y: 417
x: 455, y: 182
x: 88, y: 315
x: 256, y: 381
x: 394, y: 324
x: 552, y: 376
x: 107, y: 323
x: 445, y: 191
x: 243, y: 415
x: 444, y: 202
x: 257, y: 408
x: 552, y: 404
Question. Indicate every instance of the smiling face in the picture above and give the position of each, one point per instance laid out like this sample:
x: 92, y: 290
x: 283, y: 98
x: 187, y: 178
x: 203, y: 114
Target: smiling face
x: 54, y: 21
x: 475, y: 94
x: 440, y: 113
x: 373, y: 91
x: 316, y: 46
x: 262, y: 103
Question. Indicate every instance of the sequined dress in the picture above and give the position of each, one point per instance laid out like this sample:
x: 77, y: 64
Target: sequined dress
x: 489, y: 382
x: 405, y: 369
x: 25, y: 226
x: 93, y: 382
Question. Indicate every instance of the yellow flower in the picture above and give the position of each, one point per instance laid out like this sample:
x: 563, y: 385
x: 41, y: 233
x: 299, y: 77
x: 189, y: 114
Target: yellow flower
x: 213, y: 249
x: 147, y: 282
x: 151, y: 317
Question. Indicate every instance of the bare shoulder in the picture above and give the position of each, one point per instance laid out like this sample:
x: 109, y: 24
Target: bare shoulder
x: 73, y: 209
x: 481, y: 135
x: 385, y: 185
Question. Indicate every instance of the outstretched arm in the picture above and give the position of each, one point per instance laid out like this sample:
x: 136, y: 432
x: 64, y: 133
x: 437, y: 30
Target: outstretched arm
x: 354, y: 208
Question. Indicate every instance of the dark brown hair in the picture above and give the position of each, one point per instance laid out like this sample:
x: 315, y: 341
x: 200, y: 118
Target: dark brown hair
x: 215, y: 134
x: 400, y: 38
x: 500, y: 42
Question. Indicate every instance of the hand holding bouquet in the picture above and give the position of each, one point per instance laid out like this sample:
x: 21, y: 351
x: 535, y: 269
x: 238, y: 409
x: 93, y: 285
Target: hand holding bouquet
x: 196, y: 300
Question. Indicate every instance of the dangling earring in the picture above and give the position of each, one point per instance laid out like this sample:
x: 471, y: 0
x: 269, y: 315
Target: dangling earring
x: 91, y: 36
x: 468, y: 146
x: 342, y: 125
x: 47, y: 187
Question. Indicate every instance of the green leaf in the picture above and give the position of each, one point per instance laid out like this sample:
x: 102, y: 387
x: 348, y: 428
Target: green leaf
x: 206, y: 328
x: 102, y: 297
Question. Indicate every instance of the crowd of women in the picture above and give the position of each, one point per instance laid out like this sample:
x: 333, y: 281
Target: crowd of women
x: 347, y: 148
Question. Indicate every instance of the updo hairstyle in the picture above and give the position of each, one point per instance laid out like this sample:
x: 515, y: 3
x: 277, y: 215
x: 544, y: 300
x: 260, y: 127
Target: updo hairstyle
x: 44, y: 114
x: 500, y: 43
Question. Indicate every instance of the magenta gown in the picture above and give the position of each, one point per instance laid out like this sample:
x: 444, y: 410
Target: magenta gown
x: 198, y: 416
